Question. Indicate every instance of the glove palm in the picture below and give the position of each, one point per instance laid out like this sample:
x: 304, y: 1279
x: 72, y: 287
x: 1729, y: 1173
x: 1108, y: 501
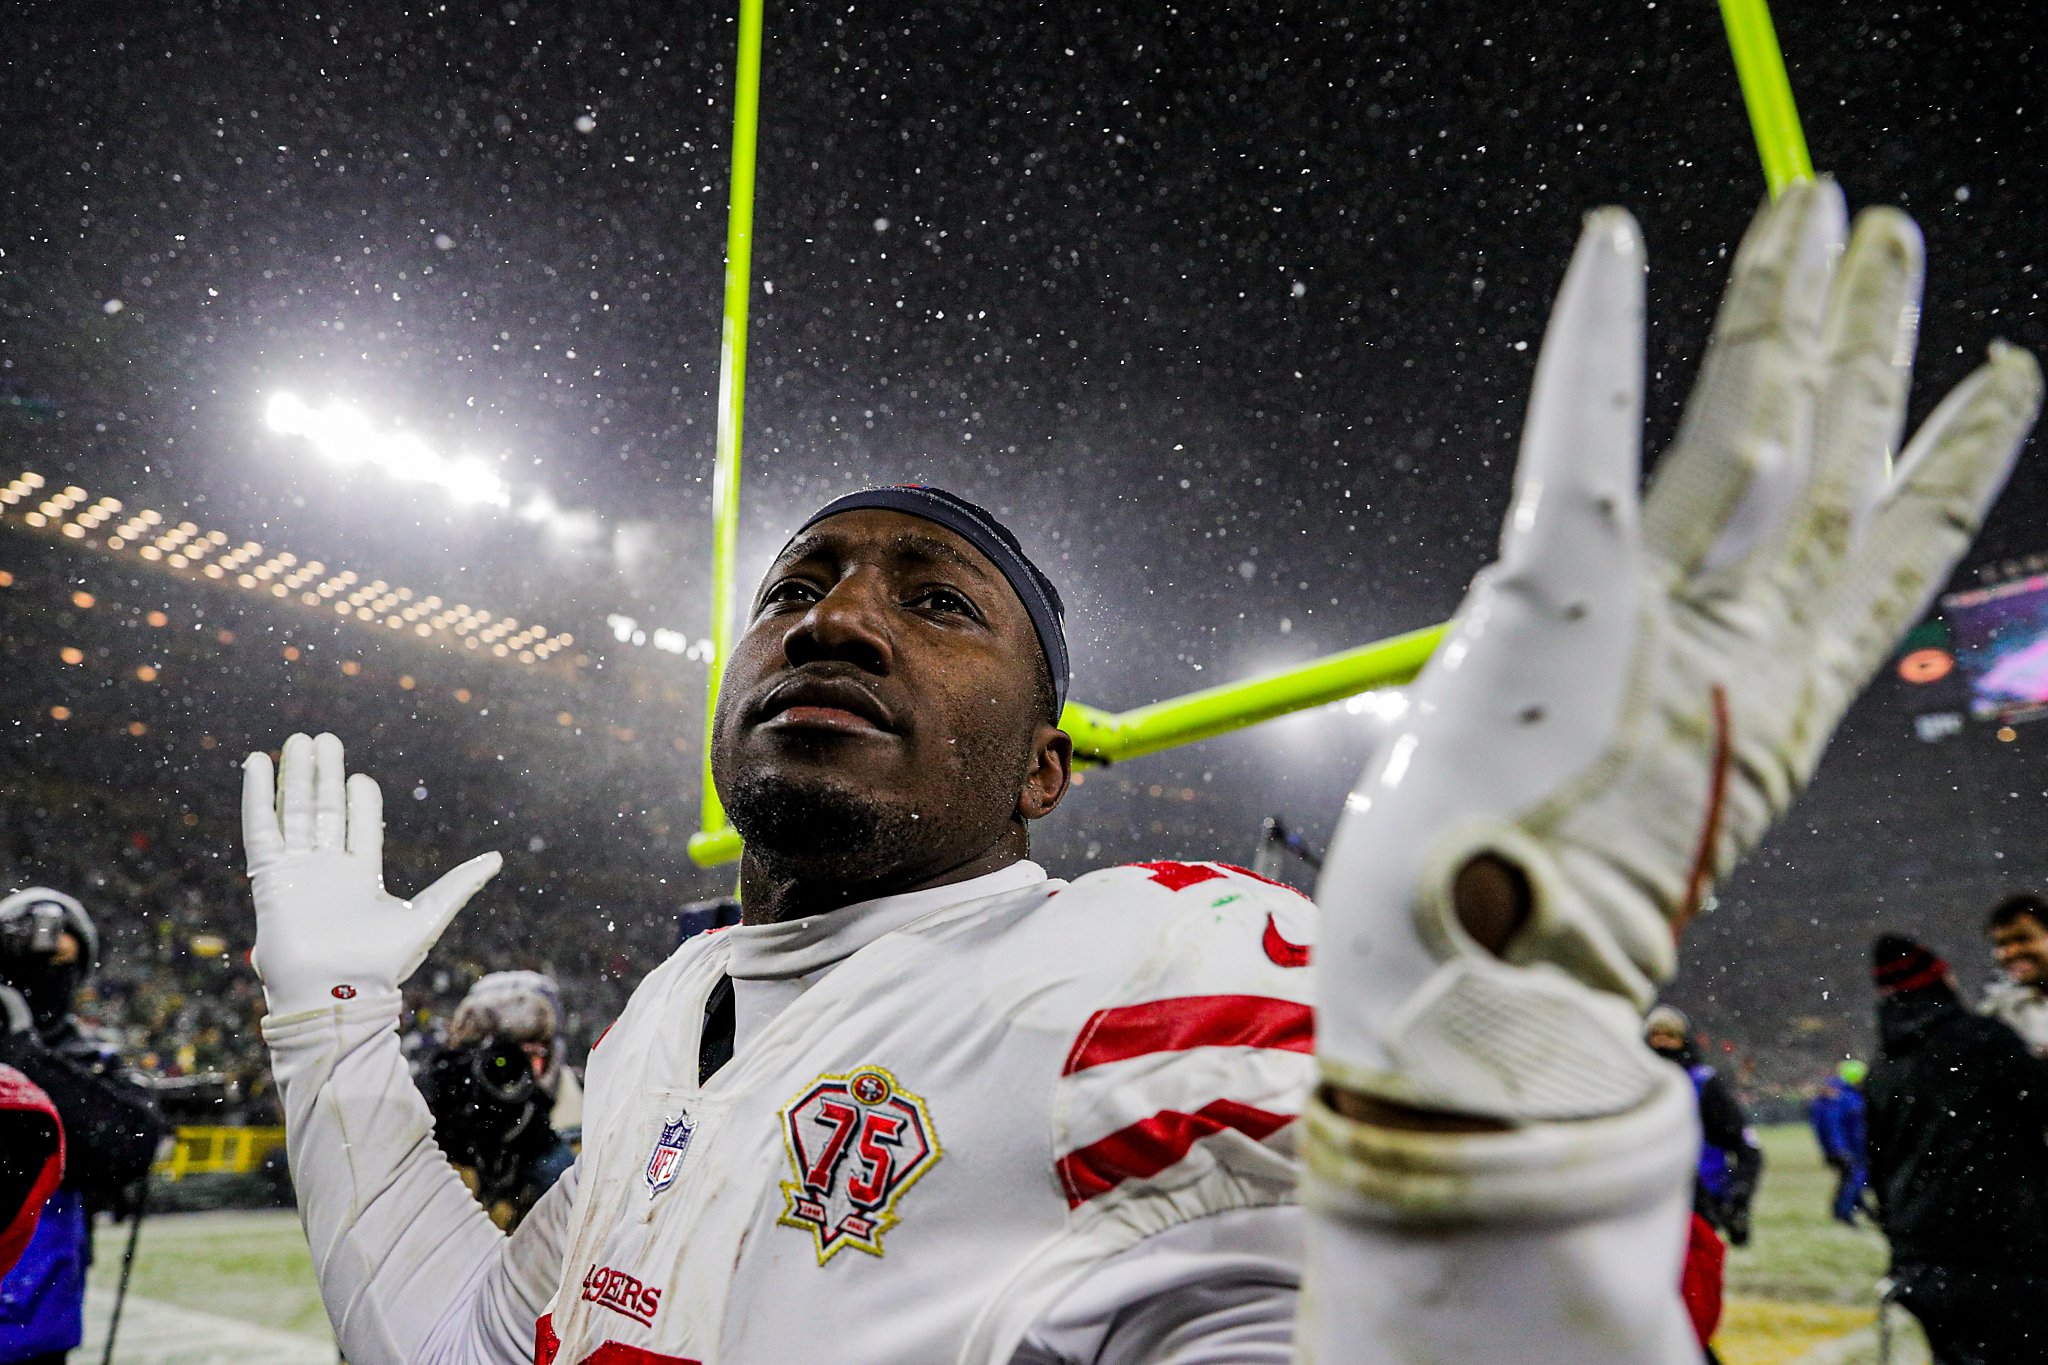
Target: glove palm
x: 326, y: 929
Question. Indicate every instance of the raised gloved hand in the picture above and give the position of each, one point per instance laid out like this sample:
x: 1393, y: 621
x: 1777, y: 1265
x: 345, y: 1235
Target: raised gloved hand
x: 1624, y: 702
x: 326, y: 929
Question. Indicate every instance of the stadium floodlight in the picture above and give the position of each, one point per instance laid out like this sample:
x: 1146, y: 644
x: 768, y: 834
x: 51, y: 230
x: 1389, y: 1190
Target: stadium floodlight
x: 344, y: 435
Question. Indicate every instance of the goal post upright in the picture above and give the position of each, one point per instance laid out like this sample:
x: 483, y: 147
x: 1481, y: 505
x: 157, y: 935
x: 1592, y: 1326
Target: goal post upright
x: 1102, y: 736
x: 732, y: 380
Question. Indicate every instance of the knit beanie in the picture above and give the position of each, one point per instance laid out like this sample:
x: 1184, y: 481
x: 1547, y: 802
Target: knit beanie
x: 1900, y: 966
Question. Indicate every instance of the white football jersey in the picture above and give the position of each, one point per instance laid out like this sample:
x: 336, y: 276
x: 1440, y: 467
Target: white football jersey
x: 942, y: 1115
x: 1004, y: 1122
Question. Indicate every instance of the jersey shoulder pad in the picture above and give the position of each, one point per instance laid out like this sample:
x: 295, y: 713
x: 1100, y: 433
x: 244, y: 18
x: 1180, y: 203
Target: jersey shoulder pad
x: 1178, y: 1095
x: 1211, y: 904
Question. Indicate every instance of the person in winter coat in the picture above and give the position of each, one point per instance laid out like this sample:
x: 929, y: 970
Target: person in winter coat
x: 48, y: 947
x: 1730, y: 1165
x: 1957, y: 1108
x: 2018, y: 930
x: 1838, y: 1123
x: 1731, y: 1160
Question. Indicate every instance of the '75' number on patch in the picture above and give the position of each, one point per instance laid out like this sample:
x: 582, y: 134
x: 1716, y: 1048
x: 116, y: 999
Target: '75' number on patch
x: 856, y: 1143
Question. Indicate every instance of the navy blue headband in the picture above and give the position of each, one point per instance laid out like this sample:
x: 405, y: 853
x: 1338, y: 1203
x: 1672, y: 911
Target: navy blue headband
x: 997, y: 545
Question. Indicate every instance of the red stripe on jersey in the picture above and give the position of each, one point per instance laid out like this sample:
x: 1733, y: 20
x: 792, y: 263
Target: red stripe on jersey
x: 1145, y: 1149
x: 1192, y: 1021
x: 1179, y: 876
x: 616, y: 1353
x: 1284, y: 951
x: 546, y: 1346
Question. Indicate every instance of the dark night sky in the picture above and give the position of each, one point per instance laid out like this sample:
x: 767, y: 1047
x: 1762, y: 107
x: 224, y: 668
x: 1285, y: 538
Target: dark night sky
x: 1231, y: 310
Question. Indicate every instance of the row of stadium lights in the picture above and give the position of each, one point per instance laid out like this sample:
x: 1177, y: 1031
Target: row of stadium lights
x: 74, y: 656
x: 566, y: 720
x: 184, y: 546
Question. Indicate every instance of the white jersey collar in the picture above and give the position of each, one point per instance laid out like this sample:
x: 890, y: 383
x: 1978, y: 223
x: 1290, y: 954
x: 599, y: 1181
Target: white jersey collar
x: 801, y: 946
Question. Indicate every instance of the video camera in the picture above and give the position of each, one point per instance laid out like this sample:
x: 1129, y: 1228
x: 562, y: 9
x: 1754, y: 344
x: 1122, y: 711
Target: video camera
x: 490, y: 1112
x: 32, y: 928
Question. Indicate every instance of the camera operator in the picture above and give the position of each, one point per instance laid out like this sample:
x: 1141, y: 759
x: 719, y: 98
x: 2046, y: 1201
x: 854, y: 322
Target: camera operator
x: 494, y: 1087
x: 48, y: 948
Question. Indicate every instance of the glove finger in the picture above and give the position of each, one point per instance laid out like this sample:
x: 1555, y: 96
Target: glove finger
x: 262, y: 840
x: 1948, y: 478
x: 295, y: 794
x: 1581, y: 441
x: 366, y: 819
x: 1740, y: 456
x: 1536, y: 664
x: 1867, y: 345
x: 1541, y: 644
x: 330, y: 772
x: 1864, y: 368
x: 440, y: 903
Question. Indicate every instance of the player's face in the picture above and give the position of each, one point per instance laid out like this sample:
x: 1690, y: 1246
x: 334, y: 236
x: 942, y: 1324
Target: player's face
x: 2022, y: 948
x: 879, y: 714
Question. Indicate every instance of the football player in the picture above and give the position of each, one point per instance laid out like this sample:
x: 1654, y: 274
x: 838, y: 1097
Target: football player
x: 927, y: 1104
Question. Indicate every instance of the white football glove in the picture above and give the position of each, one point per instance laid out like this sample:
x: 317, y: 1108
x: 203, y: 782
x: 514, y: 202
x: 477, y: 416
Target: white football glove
x: 1623, y: 703
x: 326, y: 929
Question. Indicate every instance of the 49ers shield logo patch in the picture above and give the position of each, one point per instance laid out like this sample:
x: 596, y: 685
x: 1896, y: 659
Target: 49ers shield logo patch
x: 856, y: 1142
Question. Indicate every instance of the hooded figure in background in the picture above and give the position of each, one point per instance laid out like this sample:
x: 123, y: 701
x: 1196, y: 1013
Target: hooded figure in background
x: 496, y: 1087
x: 1957, y: 1108
x: 48, y: 948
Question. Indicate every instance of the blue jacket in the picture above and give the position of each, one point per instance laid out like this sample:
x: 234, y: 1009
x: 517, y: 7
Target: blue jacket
x: 1837, y: 1117
x: 42, y: 1300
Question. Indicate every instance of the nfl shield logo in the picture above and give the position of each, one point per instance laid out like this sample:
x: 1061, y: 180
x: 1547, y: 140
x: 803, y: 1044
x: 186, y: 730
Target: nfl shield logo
x: 668, y: 1152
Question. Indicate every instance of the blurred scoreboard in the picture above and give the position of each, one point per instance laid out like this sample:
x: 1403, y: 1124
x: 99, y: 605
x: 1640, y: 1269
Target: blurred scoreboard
x: 1998, y: 636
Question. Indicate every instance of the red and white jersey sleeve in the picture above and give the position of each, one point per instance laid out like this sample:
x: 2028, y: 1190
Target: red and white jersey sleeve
x: 1175, y: 1105
x: 1178, y: 1095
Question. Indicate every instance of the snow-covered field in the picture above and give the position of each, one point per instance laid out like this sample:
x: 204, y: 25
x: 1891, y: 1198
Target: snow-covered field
x: 237, y: 1288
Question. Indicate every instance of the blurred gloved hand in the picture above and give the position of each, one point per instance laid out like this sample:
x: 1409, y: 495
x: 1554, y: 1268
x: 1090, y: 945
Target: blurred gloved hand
x: 20, y: 1043
x: 15, y: 1015
x: 1735, y: 1225
x: 326, y: 929
x: 1624, y: 702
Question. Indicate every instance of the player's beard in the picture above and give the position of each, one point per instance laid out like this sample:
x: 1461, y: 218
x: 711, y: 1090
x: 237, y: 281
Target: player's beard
x: 820, y: 826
